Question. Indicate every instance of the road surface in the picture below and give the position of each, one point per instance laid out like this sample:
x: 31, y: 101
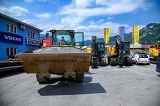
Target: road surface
x: 138, y: 85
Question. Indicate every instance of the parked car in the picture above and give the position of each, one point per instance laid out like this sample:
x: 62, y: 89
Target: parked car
x: 141, y: 59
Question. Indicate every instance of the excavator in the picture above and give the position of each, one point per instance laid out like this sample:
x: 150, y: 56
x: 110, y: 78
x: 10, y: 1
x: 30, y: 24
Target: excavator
x: 120, y: 53
x: 158, y: 58
x: 98, y: 57
x: 154, y: 52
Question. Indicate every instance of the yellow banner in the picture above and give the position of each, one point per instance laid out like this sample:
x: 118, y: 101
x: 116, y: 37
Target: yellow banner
x: 107, y: 32
x: 135, y: 34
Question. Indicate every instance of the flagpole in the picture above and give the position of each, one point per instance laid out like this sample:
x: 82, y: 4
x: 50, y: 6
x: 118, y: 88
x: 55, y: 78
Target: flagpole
x: 133, y: 38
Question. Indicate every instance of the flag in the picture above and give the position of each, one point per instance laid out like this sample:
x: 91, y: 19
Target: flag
x: 135, y: 34
x: 121, y: 31
x: 107, y: 32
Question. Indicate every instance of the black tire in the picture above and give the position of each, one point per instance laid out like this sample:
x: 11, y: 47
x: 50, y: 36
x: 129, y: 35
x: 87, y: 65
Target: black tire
x: 136, y: 63
x: 41, y: 80
x: 109, y: 61
x: 120, y: 65
x: 113, y: 62
x: 129, y: 62
x: 79, y: 77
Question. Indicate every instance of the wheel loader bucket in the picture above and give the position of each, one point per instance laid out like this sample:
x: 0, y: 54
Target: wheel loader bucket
x: 55, y: 60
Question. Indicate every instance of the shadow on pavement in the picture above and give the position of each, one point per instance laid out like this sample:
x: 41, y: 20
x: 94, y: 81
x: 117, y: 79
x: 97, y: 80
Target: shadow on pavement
x: 69, y: 87
x: 158, y: 75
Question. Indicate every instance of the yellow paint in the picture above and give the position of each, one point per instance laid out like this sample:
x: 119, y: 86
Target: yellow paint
x: 107, y: 32
x: 111, y: 50
x: 136, y: 34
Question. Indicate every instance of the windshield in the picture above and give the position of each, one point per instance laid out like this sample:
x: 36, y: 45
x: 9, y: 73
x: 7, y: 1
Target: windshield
x: 143, y: 56
x: 101, y: 47
x: 79, y: 38
x: 61, y: 37
x: 126, y: 46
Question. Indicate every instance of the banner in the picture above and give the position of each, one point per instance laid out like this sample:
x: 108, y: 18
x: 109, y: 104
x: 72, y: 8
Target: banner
x: 107, y: 32
x: 135, y: 34
x: 121, y: 31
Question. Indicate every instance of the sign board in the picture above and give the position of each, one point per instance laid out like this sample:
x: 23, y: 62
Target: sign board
x: 33, y: 41
x: 11, y: 38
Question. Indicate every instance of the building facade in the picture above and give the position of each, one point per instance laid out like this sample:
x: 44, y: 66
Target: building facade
x: 16, y: 37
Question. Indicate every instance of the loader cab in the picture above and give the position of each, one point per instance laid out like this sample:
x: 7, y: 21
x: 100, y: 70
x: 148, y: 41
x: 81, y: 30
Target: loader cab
x: 101, y: 48
x: 126, y: 48
x: 67, y: 37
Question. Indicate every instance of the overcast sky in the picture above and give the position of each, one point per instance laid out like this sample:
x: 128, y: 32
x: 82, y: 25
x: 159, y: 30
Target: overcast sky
x: 89, y: 16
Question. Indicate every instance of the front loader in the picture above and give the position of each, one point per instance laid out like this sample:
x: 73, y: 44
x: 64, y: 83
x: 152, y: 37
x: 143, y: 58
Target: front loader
x: 61, y: 58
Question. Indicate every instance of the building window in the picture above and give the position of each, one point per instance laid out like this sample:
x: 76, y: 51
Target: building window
x: 30, y: 34
x: 11, y: 51
x: 33, y: 34
x: 15, y: 29
x: 11, y: 28
x: 8, y: 28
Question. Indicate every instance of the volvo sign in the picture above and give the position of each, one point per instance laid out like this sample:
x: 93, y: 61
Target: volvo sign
x: 11, y: 38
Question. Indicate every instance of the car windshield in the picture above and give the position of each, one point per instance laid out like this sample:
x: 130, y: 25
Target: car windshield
x: 143, y: 56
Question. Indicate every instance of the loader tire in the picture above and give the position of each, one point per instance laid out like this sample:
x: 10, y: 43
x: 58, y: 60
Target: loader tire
x: 41, y: 80
x: 109, y: 61
x: 113, y: 62
x: 79, y: 77
x: 129, y: 62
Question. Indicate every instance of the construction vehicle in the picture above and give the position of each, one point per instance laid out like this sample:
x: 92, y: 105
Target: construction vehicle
x: 111, y: 50
x: 62, y: 58
x: 89, y: 49
x: 120, y: 53
x: 154, y: 52
x: 98, y: 53
x: 158, y: 60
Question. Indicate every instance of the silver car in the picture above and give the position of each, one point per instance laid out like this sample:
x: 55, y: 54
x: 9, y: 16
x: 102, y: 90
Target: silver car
x: 141, y: 59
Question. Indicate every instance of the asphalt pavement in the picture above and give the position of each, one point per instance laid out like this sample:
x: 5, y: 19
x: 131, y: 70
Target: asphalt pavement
x: 137, y: 85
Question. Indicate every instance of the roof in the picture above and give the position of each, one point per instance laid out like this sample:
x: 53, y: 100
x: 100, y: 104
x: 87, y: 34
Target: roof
x: 20, y: 22
x: 53, y: 30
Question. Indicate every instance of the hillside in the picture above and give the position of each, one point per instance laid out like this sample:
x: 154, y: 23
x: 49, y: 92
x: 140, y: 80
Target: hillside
x: 148, y: 34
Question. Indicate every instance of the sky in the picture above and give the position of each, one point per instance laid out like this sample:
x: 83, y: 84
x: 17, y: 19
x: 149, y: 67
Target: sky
x: 88, y: 16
